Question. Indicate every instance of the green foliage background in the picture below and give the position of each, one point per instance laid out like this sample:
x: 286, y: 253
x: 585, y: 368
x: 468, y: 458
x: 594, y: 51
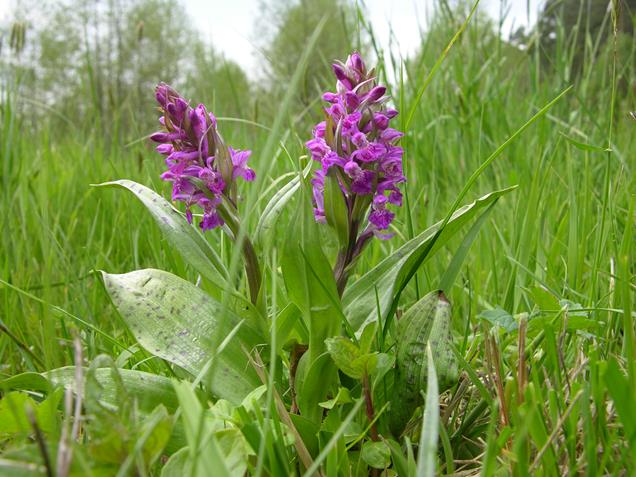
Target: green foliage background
x: 77, y: 103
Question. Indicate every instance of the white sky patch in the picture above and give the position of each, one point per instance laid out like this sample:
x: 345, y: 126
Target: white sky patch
x: 5, y: 7
x: 229, y: 24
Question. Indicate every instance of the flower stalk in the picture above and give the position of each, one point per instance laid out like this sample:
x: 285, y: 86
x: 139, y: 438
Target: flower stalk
x: 368, y: 400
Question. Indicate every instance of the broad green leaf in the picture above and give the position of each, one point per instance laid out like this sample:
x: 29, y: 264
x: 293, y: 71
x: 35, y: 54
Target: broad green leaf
x: 348, y: 357
x: 252, y: 400
x: 344, y: 353
x: 234, y: 450
x: 308, y: 431
x: 312, y: 384
x: 290, y: 327
x: 391, y: 275
x: 310, y: 283
x: 176, y: 465
x: 312, y: 288
x: 176, y: 321
x: 26, y: 381
x: 544, y: 299
x: 376, y: 454
x: 336, y: 209
x: 13, y: 416
x: 182, y: 236
x: 427, y: 452
x: 384, y: 363
x: 425, y: 324
x: 148, y: 389
x: 367, y: 336
x: 231, y: 446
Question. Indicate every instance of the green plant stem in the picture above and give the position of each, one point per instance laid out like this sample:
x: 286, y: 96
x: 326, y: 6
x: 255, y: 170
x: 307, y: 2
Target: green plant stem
x: 340, y: 270
x: 368, y: 399
x: 347, y: 256
x: 252, y: 266
x: 252, y: 270
x: 297, y: 352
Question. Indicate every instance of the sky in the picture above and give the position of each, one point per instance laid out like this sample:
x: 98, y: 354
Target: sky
x: 229, y: 24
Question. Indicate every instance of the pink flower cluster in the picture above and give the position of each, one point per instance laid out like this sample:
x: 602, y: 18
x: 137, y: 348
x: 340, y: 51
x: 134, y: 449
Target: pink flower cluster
x: 200, y: 166
x: 356, y: 145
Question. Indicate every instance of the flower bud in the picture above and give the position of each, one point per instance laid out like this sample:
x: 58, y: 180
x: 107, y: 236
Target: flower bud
x: 340, y: 72
x: 376, y: 93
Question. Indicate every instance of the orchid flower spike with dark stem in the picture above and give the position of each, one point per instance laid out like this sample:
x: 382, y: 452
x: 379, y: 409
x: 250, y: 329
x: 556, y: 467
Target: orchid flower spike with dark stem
x: 203, y: 170
x: 361, y: 164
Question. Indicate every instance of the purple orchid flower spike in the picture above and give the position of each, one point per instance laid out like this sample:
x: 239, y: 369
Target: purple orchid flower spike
x: 203, y: 170
x: 357, y: 150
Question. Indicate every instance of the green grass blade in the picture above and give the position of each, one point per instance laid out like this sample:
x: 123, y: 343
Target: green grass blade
x: 427, y: 451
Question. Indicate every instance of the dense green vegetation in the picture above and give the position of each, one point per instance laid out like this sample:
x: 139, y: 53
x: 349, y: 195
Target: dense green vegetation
x: 542, y: 304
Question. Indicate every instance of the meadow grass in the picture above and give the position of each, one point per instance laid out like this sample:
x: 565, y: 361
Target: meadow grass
x: 550, y: 399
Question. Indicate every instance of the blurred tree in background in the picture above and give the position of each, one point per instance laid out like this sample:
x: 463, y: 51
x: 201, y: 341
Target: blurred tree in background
x: 284, y: 30
x: 94, y: 63
x: 580, y: 29
x: 91, y: 65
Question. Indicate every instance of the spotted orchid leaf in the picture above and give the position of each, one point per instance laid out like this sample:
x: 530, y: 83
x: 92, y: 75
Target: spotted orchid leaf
x: 178, y: 322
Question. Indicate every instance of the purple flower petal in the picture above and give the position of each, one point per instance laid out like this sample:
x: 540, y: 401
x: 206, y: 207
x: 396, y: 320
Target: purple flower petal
x: 211, y: 220
x: 318, y: 148
x: 330, y: 97
x: 381, y: 218
x: 339, y: 72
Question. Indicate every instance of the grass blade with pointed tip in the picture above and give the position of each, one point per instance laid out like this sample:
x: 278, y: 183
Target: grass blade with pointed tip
x: 427, y: 452
x: 438, y: 63
x: 460, y: 255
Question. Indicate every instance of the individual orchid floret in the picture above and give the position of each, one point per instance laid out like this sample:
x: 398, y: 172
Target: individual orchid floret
x: 358, y: 152
x: 201, y: 167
